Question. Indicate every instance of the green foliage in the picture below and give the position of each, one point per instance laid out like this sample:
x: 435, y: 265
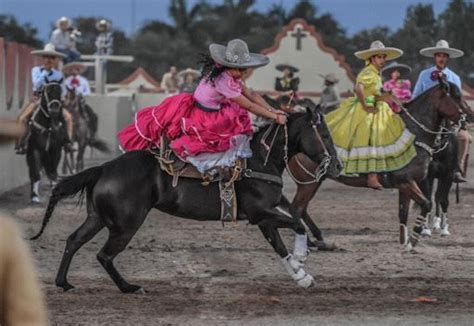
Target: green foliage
x: 13, y: 32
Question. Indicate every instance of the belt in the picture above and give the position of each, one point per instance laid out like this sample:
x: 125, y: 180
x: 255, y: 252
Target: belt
x: 204, y: 108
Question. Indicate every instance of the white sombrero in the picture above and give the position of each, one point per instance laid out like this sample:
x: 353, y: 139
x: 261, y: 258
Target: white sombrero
x: 68, y: 68
x: 442, y: 46
x: 377, y: 47
x: 331, y: 77
x: 49, y: 50
x: 194, y: 72
x: 63, y: 19
x: 236, y: 55
x: 103, y: 22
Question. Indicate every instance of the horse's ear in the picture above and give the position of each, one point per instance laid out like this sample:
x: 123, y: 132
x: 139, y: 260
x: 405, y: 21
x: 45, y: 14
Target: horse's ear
x: 444, y: 83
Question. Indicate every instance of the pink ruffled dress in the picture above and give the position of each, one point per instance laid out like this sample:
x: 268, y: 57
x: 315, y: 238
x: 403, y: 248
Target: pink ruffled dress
x: 206, y: 128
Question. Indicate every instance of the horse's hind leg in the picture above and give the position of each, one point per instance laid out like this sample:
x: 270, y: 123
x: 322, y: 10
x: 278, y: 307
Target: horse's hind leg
x: 442, y: 199
x: 417, y: 195
x: 83, y: 234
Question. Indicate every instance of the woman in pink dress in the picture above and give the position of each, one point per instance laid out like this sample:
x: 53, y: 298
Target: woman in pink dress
x: 395, y: 74
x: 211, y: 127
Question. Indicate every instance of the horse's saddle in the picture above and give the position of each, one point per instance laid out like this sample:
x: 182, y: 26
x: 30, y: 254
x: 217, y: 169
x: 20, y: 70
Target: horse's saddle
x: 175, y: 167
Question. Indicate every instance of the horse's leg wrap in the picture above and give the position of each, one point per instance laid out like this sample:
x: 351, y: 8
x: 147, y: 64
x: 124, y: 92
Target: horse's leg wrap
x: 297, y: 273
x: 300, y: 251
x: 444, y: 225
x: 426, y: 227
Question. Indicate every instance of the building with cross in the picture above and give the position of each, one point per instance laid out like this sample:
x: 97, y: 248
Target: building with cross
x: 300, y: 45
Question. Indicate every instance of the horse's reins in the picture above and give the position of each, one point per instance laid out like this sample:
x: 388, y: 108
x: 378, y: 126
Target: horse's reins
x: 442, y: 131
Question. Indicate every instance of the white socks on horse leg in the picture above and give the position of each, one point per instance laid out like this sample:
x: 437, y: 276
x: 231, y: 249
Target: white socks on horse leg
x: 300, y: 251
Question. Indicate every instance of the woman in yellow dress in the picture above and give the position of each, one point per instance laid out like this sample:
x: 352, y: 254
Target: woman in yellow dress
x: 369, y: 137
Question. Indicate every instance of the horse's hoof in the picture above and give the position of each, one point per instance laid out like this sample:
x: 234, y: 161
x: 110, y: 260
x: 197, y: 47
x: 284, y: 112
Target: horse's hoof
x: 36, y: 200
x: 323, y: 246
x: 306, y: 282
x: 140, y: 291
x: 436, y: 224
x: 66, y: 287
x: 132, y: 289
x: 407, y: 247
x: 444, y: 232
x: 426, y: 232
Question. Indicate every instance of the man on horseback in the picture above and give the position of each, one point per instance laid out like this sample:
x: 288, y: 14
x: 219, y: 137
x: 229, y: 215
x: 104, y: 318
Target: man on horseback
x: 41, y: 75
x: 80, y: 86
x: 428, y: 78
x: 369, y: 137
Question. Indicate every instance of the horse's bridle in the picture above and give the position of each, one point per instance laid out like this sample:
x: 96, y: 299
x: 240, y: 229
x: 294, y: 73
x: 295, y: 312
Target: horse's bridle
x: 46, y: 113
x: 454, y: 129
x: 323, y: 166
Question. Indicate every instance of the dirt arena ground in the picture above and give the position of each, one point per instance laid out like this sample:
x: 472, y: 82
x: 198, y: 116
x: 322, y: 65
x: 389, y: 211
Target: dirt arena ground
x: 202, y: 274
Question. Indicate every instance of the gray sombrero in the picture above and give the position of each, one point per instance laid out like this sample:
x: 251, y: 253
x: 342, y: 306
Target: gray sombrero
x: 331, y: 77
x: 378, y: 47
x: 49, y: 50
x: 442, y: 46
x: 403, y: 69
x: 236, y: 55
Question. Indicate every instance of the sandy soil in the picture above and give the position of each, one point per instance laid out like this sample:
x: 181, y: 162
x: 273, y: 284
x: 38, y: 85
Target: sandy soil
x: 202, y: 274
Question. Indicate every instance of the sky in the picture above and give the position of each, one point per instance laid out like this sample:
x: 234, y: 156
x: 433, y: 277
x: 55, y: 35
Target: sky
x: 128, y: 15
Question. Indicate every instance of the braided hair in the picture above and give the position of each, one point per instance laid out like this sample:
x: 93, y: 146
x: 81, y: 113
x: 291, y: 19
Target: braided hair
x: 210, y: 69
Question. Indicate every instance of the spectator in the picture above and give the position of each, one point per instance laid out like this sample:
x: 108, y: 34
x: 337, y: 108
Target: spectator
x: 188, y: 80
x: 62, y: 41
x: 169, y: 82
x: 330, y: 99
x: 104, y: 42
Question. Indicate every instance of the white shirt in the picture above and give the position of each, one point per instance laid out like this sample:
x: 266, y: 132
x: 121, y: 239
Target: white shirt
x: 79, y: 83
x: 39, y: 76
x: 61, y: 40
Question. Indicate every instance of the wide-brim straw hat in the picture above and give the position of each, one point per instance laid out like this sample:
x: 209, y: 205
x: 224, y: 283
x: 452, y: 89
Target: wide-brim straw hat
x: 63, y: 19
x: 68, y: 68
x: 442, y: 46
x: 50, y: 50
x: 284, y: 66
x: 330, y: 78
x: 236, y: 55
x: 194, y: 72
x: 10, y: 130
x: 378, y: 47
x: 103, y: 22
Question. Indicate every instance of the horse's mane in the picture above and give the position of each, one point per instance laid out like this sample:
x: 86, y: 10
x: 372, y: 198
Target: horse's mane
x: 454, y: 91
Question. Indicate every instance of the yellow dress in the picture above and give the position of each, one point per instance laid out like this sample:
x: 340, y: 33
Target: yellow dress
x: 370, y: 142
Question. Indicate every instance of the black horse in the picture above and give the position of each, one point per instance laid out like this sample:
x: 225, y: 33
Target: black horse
x: 120, y: 193
x: 85, y: 127
x: 47, y: 137
x: 442, y: 168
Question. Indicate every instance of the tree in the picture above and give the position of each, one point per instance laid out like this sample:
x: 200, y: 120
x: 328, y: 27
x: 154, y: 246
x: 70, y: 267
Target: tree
x: 11, y: 31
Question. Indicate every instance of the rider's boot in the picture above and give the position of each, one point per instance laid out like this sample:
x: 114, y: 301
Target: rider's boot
x: 373, y: 181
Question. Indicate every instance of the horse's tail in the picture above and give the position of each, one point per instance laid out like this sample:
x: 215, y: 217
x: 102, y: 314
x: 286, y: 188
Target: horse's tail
x: 69, y: 187
x: 100, y: 145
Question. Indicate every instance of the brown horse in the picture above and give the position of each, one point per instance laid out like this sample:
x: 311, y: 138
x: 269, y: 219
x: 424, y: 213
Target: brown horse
x: 423, y: 117
x: 85, y: 128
